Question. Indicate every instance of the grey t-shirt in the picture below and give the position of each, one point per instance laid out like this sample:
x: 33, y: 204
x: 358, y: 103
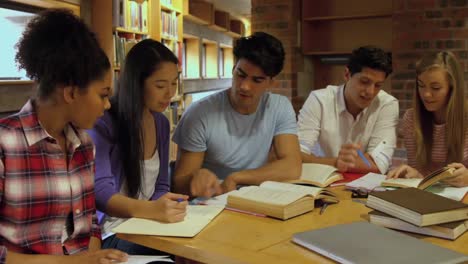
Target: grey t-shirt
x: 233, y: 141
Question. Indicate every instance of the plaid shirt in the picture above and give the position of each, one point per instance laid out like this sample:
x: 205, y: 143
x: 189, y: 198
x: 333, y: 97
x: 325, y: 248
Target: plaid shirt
x: 38, y: 192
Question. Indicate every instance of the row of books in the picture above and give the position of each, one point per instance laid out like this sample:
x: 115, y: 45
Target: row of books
x: 130, y: 15
x: 122, y: 43
x: 169, y: 25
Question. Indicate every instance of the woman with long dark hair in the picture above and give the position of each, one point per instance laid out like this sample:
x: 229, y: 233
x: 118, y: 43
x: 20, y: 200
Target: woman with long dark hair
x: 132, y: 146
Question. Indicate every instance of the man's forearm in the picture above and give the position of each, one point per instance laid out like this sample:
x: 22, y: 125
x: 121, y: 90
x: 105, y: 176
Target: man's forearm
x: 278, y: 170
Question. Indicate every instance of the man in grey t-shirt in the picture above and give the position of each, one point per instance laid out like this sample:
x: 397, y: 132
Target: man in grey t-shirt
x: 242, y: 135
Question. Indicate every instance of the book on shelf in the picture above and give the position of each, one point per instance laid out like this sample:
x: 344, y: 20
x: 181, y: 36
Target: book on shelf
x: 362, y: 242
x: 318, y: 175
x: 420, y: 183
x: 450, y: 230
x: 418, y: 207
x: 278, y: 199
x: 130, y: 15
x: 197, y: 218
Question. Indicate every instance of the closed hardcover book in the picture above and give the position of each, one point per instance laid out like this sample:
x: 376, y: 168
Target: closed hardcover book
x: 418, y: 207
x: 450, y: 230
x: 278, y: 199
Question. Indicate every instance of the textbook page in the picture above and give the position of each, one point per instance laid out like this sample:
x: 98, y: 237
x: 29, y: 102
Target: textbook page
x: 306, y: 190
x: 139, y: 259
x: 316, y: 172
x: 198, y: 216
x: 368, y: 182
x: 268, y: 196
x: 413, y: 182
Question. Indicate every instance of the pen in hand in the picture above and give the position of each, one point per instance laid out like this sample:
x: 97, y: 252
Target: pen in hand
x: 366, y: 161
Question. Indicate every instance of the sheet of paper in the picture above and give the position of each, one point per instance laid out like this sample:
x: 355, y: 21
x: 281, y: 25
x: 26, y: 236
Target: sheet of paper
x: 314, y: 191
x: 454, y: 193
x: 139, y: 259
x: 276, y: 197
x: 198, y: 216
x: 368, y: 182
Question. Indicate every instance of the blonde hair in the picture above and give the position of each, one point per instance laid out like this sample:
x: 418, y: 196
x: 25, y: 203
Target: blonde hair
x: 455, y: 113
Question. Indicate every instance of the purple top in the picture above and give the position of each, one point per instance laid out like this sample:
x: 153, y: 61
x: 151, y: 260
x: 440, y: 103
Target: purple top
x: 109, y: 167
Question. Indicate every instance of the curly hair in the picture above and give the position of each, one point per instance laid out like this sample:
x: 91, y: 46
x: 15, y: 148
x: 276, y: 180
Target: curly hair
x: 263, y: 50
x: 57, y: 48
x: 370, y: 57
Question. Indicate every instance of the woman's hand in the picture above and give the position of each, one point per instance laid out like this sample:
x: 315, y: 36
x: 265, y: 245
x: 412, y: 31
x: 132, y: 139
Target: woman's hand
x: 460, y: 174
x: 404, y: 171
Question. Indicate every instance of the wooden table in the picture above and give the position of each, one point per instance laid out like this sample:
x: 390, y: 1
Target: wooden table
x: 240, y: 238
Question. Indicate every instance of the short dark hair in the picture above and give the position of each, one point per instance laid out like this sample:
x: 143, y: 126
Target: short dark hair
x: 370, y: 57
x: 263, y: 50
x: 57, y: 48
x: 128, y: 105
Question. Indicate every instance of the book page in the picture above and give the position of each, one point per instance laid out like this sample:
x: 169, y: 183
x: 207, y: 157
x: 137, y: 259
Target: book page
x: 413, y: 182
x: 139, y: 259
x: 368, y: 182
x: 198, y: 216
x: 306, y: 190
x: 316, y: 172
x: 269, y: 196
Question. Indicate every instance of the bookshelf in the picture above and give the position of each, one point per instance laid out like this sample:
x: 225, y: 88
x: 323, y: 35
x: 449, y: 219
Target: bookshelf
x: 332, y: 29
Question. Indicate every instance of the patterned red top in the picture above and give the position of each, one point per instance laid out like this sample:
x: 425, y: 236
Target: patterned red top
x: 39, y: 190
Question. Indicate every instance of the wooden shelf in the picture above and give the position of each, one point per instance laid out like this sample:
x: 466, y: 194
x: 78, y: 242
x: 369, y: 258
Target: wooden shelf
x: 234, y: 34
x: 218, y: 28
x: 116, y: 68
x: 170, y: 8
x: 124, y: 30
x: 345, y: 8
x: 363, y: 16
x: 169, y: 38
x: 236, y: 26
x: 330, y: 37
x: 199, y: 11
x: 15, y: 82
x: 176, y: 98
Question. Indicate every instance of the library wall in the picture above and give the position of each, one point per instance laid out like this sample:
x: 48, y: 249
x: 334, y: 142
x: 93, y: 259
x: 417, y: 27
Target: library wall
x: 280, y: 19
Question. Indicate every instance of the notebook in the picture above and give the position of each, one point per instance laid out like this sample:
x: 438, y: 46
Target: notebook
x: 318, y: 175
x: 450, y: 230
x: 278, y: 199
x: 140, y: 259
x: 362, y: 242
x: 197, y: 218
x: 418, y: 207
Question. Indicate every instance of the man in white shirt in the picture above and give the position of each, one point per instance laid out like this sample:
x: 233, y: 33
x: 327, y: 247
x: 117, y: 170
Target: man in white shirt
x: 337, y: 122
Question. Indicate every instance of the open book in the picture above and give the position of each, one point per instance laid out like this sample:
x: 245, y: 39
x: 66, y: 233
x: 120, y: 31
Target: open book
x: 197, y: 218
x: 420, y: 183
x: 318, y: 175
x: 278, y: 199
x: 450, y: 230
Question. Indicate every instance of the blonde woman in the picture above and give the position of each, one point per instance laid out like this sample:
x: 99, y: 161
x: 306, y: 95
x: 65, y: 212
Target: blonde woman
x: 435, y: 129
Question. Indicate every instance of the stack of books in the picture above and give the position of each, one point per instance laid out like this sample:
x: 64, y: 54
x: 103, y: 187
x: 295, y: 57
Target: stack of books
x: 417, y: 211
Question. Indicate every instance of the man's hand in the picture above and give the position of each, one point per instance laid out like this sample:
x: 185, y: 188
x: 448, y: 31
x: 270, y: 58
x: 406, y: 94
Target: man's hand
x: 205, y: 183
x: 347, y: 157
x: 230, y: 183
x: 404, y: 171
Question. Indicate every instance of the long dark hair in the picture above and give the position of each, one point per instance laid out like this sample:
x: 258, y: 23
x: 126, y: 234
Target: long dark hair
x: 128, y: 104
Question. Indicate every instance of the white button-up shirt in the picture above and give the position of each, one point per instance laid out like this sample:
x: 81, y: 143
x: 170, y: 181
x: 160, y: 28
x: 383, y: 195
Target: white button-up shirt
x: 325, y: 125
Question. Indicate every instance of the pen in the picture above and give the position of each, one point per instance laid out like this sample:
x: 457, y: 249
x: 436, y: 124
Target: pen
x: 179, y: 200
x: 324, y: 206
x: 366, y: 161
